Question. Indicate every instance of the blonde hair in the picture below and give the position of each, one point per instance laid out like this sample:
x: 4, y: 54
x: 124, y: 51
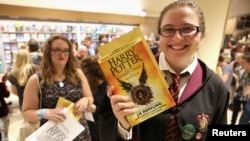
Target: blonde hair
x: 23, y: 66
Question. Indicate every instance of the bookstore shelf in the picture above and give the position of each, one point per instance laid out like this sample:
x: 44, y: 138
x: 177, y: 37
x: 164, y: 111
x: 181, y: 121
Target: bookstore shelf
x: 15, y: 33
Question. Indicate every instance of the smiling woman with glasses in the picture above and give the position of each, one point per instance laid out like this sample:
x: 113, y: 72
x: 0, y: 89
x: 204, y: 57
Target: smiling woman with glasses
x: 201, y: 96
x: 59, y: 76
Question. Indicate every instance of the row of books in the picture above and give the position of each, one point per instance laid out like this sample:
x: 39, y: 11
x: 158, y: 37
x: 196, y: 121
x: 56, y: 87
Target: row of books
x: 37, y: 28
x: 105, y: 29
x: 14, y: 34
x: 25, y: 37
x: 91, y: 28
x: 95, y: 36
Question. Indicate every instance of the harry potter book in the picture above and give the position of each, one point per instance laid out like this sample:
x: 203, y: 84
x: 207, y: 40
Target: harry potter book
x: 130, y: 66
x: 63, y: 131
x: 65, y: 103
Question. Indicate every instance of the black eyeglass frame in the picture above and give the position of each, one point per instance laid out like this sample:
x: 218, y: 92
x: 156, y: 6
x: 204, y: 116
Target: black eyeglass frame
x: 59, y: 52
x: 180, y: 29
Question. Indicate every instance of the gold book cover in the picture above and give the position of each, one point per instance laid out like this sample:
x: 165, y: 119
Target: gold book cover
x: 130, y: 66
x: 66, y: 103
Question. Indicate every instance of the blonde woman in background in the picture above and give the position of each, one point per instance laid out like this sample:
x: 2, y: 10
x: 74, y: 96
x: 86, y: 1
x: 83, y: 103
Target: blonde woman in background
x: 18, y: 77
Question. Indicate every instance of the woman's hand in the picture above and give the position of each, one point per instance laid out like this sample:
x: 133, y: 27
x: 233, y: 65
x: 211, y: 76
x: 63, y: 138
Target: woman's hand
x: 122, y: 106
x: 55, y: 115
x: 80, y: 106
x: 92, y: 108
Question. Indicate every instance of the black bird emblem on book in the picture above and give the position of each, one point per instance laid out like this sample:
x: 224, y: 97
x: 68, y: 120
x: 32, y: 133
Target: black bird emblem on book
x: 141, y: 94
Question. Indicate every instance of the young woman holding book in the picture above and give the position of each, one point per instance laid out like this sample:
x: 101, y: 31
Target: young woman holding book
x: 202, y: 100
x: 60, y: 76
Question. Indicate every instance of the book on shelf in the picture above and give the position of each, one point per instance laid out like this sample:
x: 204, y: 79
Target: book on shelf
x: 19, y: 37
x: 5, y: 37
x: 41, y: 37
x: 63, y: 131
x: 69, y: 35
x: 128, y: 64
x: 12, y: 37
x: 74, y: 29
x: 8, y: 55
x: 69, y: 28
x: 4, y: 28
x: 52, y: 28
x: 19, y: 27
x: 58, y: 28
x: 47, y: 36
x: 83, y: 28
x: 13, y: 46
x: 33, y: 35
x: 114, y: 30
x: 26, y: 37
x: 74, y: 37
x: 27, y: 28
x: 94, y: 36
x: 45, y: 28
x: 6, y: 46
x: 19, y: 44
x: 11, y: 28
x: 64, y: 29
x: 34, y: 27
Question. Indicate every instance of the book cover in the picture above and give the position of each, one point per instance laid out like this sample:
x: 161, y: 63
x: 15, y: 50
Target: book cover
x: 5, y: 38
x: 4, y: 28
x: 33, y: 35
x: 129, y: 65
x: 41, y: 37
x: 65, y: 103
x: 51, y: 131
x: 12, y: 37
x: 13, y: 46
x: 19, y: 37
x: 47, y: 36
x: 19, y: 27
x: 8, y: 55
x: 11, y: 28
x: 6, y: 46
x: 26, y: 37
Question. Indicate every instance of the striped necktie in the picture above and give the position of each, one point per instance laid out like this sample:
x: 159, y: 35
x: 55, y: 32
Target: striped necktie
x: 173, y: 131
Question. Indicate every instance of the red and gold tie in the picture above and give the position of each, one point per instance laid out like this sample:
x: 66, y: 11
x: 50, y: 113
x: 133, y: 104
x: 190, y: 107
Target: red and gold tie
x: 173, y: 131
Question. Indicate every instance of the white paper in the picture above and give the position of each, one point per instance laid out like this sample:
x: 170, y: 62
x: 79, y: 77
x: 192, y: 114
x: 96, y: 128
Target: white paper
x: 51, y: 131
x: 89, y: 116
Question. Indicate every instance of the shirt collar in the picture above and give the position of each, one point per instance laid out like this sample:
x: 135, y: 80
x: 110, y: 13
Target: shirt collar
x: 163, y: 64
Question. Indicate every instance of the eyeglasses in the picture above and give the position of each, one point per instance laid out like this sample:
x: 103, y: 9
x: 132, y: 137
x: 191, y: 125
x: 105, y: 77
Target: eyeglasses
x: 58, y: 51
x: 185, y: 31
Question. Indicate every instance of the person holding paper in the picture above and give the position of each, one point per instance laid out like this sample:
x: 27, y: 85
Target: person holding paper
x: 203, y: 98
x: 59, y: 77
x: 98, y: 85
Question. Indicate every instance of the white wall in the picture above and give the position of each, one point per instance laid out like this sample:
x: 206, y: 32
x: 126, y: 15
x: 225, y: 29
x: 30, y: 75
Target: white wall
x: 215, y: 12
